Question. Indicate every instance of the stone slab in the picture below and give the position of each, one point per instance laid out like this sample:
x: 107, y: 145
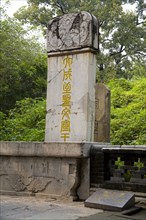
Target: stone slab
x: 112, y: 200
x: 38, y: 149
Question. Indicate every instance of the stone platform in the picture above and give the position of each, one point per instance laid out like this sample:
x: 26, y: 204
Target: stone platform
x: 50, y: 169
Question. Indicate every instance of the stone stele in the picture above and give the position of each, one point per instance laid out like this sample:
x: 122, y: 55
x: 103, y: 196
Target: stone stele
x: 72, y: 42
x: 112, y: 200
x: 102, y: 114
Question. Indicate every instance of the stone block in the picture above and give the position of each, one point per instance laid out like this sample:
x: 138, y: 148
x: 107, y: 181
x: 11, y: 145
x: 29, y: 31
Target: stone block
x: 136, y: 180
x: 84, y: 188
x: 117, y: 179
x: 112, y: 200
x: 72, y: 31
x: 50, y: 176
x: 37, y: 149
x: 54, y: 170
x: 138, y: 176
x: 118, y: 173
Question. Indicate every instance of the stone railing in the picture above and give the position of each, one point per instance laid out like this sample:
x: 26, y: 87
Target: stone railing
x: 119, y: 167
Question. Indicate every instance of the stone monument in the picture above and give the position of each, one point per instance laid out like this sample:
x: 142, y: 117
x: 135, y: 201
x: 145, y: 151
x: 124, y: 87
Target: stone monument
x: 61, y: 165
x: 72, y: 43
x: 102, y: 114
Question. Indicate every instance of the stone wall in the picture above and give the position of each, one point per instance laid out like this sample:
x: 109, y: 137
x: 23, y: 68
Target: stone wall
x: 50, y: 169
x: 69, y: 169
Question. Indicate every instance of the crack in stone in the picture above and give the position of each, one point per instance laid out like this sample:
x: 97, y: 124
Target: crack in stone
x: 55, y: 75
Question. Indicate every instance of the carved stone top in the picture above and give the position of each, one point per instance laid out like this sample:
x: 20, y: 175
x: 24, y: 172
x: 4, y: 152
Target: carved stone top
x: 72, y: 31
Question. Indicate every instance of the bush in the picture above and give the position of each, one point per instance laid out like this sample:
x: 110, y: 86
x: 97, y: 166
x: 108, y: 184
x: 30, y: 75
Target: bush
x: 128, y: 112
x: 26, y: 122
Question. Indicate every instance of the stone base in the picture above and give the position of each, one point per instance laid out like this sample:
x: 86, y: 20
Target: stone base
x: 117, y: 179
x: 128, y: 186
x: 51, y: 169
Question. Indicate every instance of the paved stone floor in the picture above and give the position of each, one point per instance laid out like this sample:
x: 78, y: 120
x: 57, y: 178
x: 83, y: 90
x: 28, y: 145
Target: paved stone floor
x: 33, y: 208
x: 116, y: 216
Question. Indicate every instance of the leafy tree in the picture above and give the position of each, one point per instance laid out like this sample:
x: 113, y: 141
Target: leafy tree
x: 122, y: 54
x: 137, y: 71
x: 128, y: 112
x: 23, y: 65
x: 26, y: 122
x: 122, y: 35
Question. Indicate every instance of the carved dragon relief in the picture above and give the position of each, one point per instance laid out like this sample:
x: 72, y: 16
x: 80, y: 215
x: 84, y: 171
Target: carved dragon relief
x: 71, y: 31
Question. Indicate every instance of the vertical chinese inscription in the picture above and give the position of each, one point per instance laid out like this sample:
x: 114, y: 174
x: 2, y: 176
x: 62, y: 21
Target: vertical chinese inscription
x: 66, y: 98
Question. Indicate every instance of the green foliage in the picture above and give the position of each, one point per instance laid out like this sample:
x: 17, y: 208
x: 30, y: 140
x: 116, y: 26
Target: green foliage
x: 122, y: 34
x: 119, y: 163
x: 138, y: 164
x: 23, y: 65
x: 26, y: 122
x: 127, y: 176
x: 128, y: 111
x: 137, y: 71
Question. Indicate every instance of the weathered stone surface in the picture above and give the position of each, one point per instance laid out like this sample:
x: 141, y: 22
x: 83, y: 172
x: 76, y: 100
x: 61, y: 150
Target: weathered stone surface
x: 50, y: 169
x: 102, y: 113
x: 112, y: 200
x: 117, y: 179
x: 36, y: 208
x: 72, y: 42
x: 46, y: 175
x: 71, y: 109
x: 84, y: 188
x: 72, y: 31
x: 126, y: 148
x: 38, y: 149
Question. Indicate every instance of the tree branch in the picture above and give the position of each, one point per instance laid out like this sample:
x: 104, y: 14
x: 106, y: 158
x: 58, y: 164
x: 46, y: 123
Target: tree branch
x: 143, y: 54
x: 59, y: 5
x: 138, y: 23
x: 118, y: 52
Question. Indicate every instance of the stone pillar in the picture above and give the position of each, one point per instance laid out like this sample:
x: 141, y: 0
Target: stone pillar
x: 72, y: 43
x: 102, y: 114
